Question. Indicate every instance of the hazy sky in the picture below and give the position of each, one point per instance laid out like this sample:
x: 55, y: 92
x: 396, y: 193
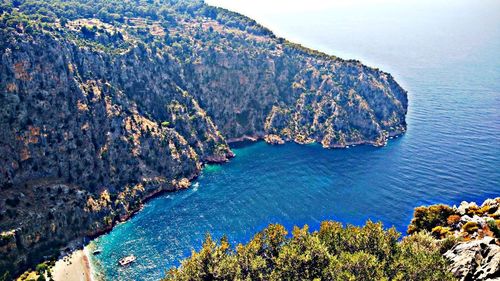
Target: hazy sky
x: 376, y: 30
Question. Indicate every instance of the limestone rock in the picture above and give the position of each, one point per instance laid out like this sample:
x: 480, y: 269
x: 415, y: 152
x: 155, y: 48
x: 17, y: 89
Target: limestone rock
x: 476, y: 260
x: 274, y: 139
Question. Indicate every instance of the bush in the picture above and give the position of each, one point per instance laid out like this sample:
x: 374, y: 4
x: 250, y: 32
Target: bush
x: 440, y: 231
x: 12, y: 202
x: 494, y: 227
x: 5, y: 275
x: 448, y: 243
x: 356, y: 266
x: 87, y: 32
x: 334, y: 252
x: 426, y: 218
x: 41, y: 267
x: 453, y: 219
x: 470, y: 227
x: 420, y: 259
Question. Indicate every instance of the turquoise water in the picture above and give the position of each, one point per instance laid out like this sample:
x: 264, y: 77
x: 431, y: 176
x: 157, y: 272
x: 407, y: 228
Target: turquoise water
x: 445, y: 54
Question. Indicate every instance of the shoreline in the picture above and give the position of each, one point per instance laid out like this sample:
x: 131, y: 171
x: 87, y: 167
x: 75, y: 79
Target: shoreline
x: 154, y: 194
x: 377, y: 143
x: 69, y: 267
x: 195, y: 175
x: 73, y: 267
x: 76, y: 261
x: 245, y: 138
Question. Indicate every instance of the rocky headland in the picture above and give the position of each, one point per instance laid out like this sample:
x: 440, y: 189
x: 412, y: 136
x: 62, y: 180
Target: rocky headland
x: 104, y: 104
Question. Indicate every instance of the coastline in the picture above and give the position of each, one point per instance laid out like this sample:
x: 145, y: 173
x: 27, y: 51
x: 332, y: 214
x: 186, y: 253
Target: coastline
x: 278, y: 140
x: 244, y: 138
x: 73, y: 267
x: 76, y: 265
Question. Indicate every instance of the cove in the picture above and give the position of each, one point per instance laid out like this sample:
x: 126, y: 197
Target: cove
x: 445, y: 54
x: 290, y: 184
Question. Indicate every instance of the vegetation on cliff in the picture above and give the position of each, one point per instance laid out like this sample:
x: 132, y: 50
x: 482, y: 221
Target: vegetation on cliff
x: 103, y: 104
x: 467, y: 221
x: 444, y: 243
x: 333, y: 252
x: 471, y: 231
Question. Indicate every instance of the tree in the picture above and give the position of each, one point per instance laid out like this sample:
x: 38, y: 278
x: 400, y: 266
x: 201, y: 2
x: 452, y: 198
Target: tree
x: 87, y: 33
x: 334, y: 252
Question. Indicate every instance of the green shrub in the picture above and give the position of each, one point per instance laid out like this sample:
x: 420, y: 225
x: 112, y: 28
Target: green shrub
x: 42, y: 267
x: 334, y: 252
x: 494, y: 227
x: 426, y: 218
x: 448, y: 243
x: 12, y: 202
x: 495, y: 215
x: 479, y: 211
x: 470, y: 227
x: 356, y: 266
x: 5, y: 275
x: 440, y: 231
x: 420, y: 259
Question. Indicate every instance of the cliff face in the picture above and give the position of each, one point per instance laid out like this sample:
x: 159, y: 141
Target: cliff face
x: 96, y: 115
x: 276, y: 88
x: 111, y: 130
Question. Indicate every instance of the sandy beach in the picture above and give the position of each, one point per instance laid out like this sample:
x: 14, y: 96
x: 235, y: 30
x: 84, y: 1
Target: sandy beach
x: 75, y: 267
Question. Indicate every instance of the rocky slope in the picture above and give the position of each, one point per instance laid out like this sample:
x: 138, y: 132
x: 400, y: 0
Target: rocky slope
x: 473, y: 229
x: 101, y: 110
x: 476, y: 260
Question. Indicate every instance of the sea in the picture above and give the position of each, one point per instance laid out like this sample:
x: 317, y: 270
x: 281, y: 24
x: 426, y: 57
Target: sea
x: 446, y: 54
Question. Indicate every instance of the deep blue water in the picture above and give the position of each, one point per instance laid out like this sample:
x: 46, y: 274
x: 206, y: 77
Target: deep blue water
x: 447, y: 55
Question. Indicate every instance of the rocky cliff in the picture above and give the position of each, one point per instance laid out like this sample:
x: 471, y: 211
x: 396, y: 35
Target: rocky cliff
x: 104, y: 104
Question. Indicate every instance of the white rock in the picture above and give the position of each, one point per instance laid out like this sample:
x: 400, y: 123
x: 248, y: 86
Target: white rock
x: 490, y: 202
x: 465, y: 218
x: 475, y: 260
x: 479, y: 220
x: 464, y: 206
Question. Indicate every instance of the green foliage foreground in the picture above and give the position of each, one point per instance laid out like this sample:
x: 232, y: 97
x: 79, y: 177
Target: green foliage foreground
x: 332, y: 253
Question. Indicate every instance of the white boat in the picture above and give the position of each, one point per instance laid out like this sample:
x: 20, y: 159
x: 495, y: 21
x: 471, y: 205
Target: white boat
x: 127, y: 260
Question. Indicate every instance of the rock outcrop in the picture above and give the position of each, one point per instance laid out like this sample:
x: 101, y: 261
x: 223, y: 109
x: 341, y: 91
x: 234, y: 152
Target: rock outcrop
x: 468, y: 221
x: 473, y: 229
x: 103, y: 105
x: 476, y: 260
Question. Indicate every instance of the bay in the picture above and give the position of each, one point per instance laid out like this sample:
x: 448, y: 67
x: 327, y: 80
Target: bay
x: 445, y: 53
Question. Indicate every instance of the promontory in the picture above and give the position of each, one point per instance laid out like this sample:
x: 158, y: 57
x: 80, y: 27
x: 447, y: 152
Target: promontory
x: 104, y: 104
